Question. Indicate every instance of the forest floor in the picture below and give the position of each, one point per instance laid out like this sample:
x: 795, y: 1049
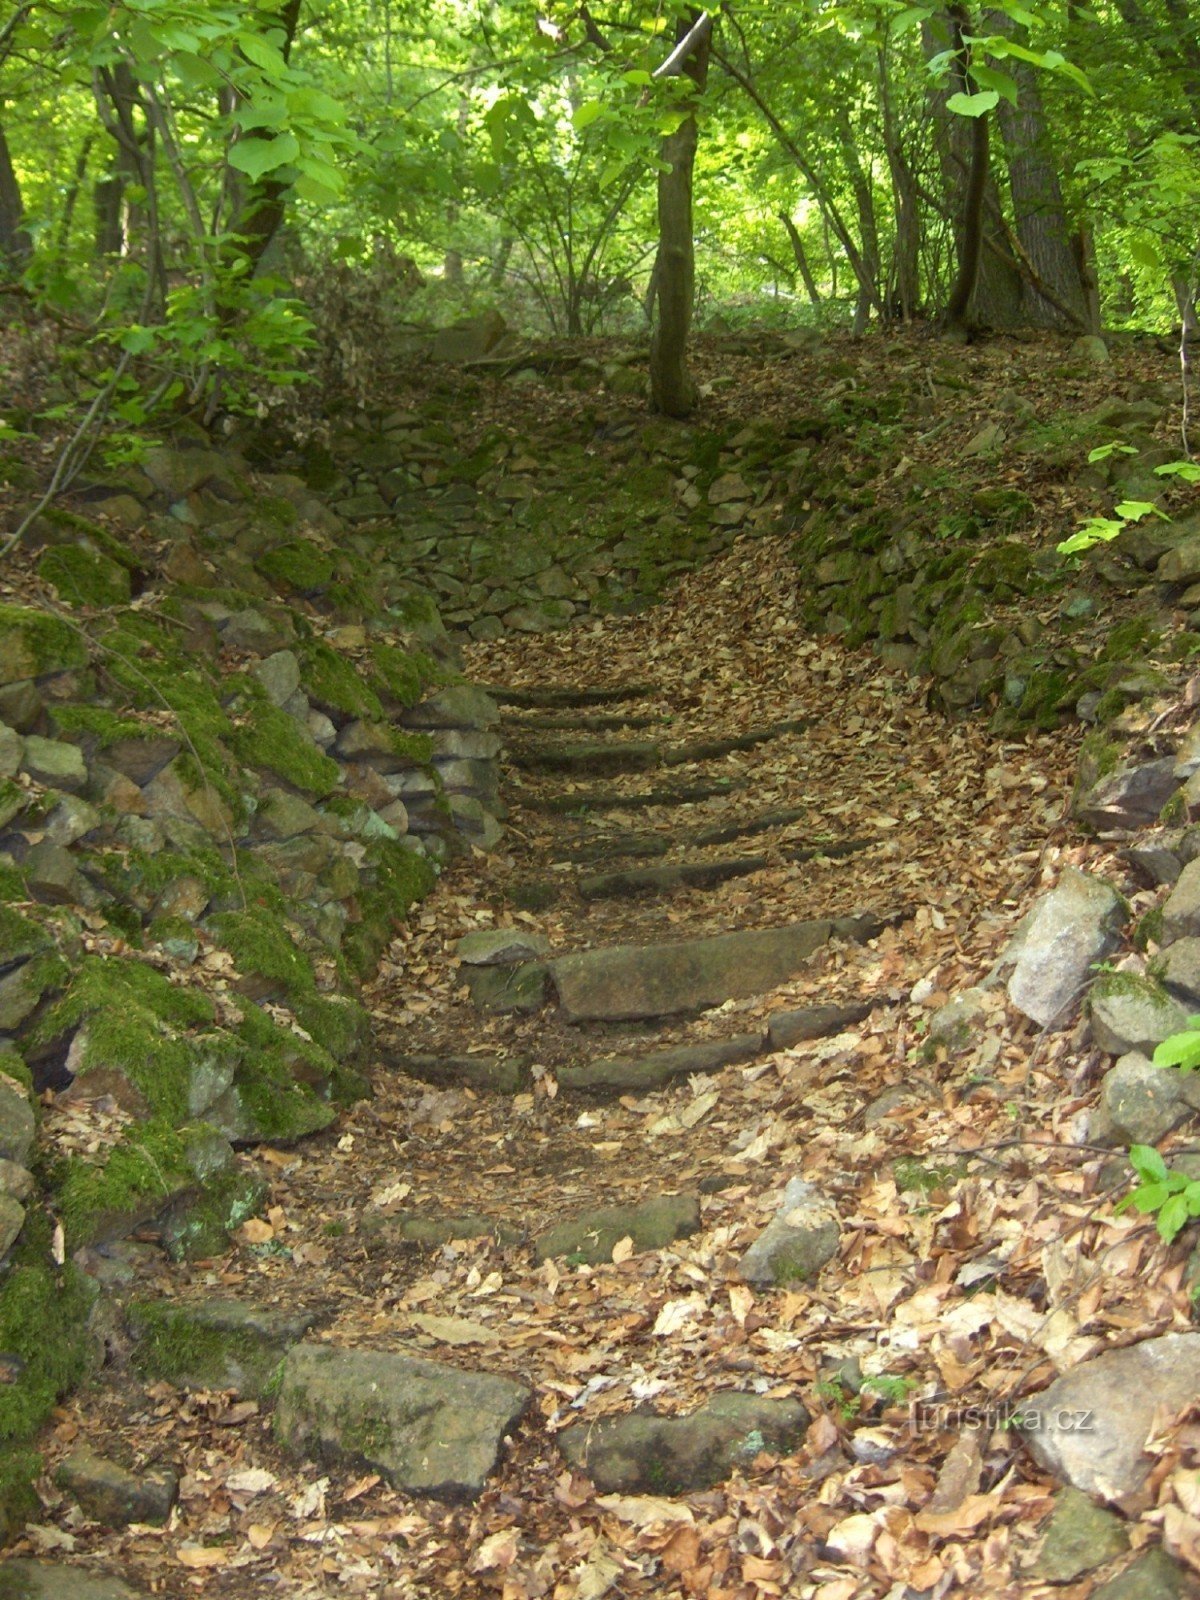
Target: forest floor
x: 979, y: 1254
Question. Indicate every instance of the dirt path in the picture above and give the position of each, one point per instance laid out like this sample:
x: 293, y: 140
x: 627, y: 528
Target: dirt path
x: 924, y: 1152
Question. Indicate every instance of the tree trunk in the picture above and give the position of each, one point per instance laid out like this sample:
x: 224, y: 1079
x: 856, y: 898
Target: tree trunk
x: 801, y: 257
x: 263, y: 202
x: 905, y: 292
x: 1038, y: 209
x: 994, y: 298
x: 16, y: 246
x: 672, y: 388
x: 870, y: 296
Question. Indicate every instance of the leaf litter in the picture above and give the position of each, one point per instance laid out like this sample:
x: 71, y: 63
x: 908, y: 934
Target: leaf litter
x: 979, y: 1256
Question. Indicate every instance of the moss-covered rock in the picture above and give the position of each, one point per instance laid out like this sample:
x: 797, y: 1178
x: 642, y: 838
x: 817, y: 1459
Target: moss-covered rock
x: 300, y: 565
x: 132, y: 1026
x: 34, y: 644
x: 262, y: 946
x: 268, y: 738
x: 84, y: 577
x: 135, y: 1180
x: 217, y: 1344
x: 398, y: 878
x: 43, y: 1314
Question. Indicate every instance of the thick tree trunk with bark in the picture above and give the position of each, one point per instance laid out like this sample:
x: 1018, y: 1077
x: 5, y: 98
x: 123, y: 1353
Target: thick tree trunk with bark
x: 672, y: 388
x: 995, y: 297
x: 262, y: 202
x: 1040, y: 214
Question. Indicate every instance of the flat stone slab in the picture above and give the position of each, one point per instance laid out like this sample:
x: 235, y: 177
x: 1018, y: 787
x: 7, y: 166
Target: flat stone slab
x: 500, y: 947
x: 1090, y: 1427
x: 592, y: 758
x: 653, y: 1225
x: 647, y: 1453
x: 496, y: 1074
x: 625, y: 982
x: 633, y: 881
x: 111, y: 1494
x: 552, y: 697
x: 50, y: 1580
x: 433, y: 1232
x: 429, y: 1428
x: 671, y: 794
x: 631, y: 1074
x: 786, y: 1028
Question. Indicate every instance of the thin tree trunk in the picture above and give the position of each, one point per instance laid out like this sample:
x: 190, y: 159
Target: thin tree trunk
x: 801, y: 256
x: 16, y: 246
x: 672, y: 388
x: 905, y: 293
x: 870, y: 296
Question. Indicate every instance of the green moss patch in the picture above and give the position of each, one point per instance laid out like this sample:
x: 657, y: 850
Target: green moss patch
x: 19, y: 936
x: 84, y: 577
x: 103, y: 726
x: 33, y: 643
x: 260, y: 943
x: 43, y: 1313
x: 136, y: 1022
x: 330, y: 680
x: 398, y: 879
x: 299, y: 564
x: 137, y: 1178
x: 271, y: 739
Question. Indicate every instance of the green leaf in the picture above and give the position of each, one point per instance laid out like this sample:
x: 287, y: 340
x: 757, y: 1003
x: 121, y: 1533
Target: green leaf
x: 1188, y: 471
x: 1181, y: 1050
x: 255, y: 157
x: 263, y: 54
x: 989, y: 78
x: 1172, y: 1217
x: 1103, y: 451
x: 1135, y: 510
x: 637, y: 79
x: 583, y: 116
x: 973, y: 105
x: 1148, y: 1163
x: 911, y: 17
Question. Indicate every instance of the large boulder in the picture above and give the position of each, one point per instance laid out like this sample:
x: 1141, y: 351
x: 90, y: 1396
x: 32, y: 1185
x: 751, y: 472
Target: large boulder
x: 1091, y: 1426
x: 1068, y: 931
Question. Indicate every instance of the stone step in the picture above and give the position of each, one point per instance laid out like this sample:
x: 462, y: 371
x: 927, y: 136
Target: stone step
x: 590, y: 758
x: 685, y: 794
x: 551, y: 697
x: 631, y: 982
x: 629, y: 882
x: 581, y: 724
x: 614, y: 846
x: 597, y: 757
x: 639, y: 1070
x: 634, y: 1074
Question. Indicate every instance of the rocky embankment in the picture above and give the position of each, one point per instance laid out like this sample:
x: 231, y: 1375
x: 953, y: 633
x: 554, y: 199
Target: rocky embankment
x: 235, y: 747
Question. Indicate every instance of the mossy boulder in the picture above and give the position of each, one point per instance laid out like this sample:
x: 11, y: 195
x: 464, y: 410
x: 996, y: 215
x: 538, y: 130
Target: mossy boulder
x: 1131, y: 1012
x: 214, y: 1344
x: 34, y: 644
x: 84, y: 577
x: 299, y: 565
x: 43, y: 1315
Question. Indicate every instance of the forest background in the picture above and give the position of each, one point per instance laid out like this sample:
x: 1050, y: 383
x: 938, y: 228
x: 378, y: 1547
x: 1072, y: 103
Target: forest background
x: 203, y: 204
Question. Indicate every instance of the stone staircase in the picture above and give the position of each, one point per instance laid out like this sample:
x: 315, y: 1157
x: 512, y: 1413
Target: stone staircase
x: 622, y: 999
